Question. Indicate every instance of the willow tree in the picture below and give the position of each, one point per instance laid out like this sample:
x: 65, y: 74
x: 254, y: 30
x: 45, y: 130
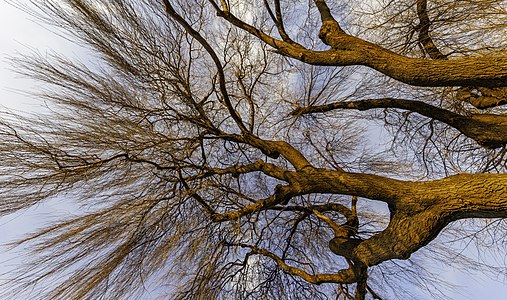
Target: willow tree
x: 260, y: 149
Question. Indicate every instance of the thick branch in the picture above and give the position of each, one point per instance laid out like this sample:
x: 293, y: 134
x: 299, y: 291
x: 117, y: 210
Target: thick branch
x: 310, y: 180
x: 325, y: 12
x: 348, y: 50
x: 419, y: 215
x: 419, y: 210
x: 207, y: 208
x: 424, y: 32
x: 274, y: 148
x: 399, y: 195
x: 488, y: 130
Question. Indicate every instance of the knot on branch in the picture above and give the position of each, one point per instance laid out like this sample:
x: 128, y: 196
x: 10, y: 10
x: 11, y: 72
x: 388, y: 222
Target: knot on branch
x: 355, y: 273
x: 332, y: 35
x: 282, y: 194
x: 482, y: 97
x: 271, y: 153
x: 343, y: 246
x: 343, y: 242
x: 298, y: 111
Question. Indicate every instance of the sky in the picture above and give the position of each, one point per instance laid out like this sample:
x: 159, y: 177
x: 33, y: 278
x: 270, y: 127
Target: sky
x: 19, y: 34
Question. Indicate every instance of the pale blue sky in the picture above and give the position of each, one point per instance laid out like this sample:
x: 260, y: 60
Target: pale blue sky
x: 18, y: 33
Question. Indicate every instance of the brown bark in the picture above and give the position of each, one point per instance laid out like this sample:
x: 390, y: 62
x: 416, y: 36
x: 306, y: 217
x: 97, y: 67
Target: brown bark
x: 419, y: 210
x: 482, y: 97
x: 347, y: 50
x: 488, y: 130
x: 419, y: 215
x: 424, y: 31
x: 168, y: 175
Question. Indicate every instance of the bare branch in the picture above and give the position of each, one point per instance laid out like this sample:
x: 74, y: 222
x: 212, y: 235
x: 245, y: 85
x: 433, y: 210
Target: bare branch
x: 489, y: 130
x: 424, y: 36
x: 343, y: 276
x: 349, y: 50
x: 176, y: 135
x: 223, y: 89
x: 278, y: 20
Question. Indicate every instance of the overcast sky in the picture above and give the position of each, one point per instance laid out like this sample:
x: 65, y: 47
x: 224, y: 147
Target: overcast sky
x: 17, y: 34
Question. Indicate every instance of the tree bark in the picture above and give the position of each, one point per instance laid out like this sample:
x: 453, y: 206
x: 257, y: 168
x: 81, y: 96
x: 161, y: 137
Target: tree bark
x: 347, y: 50
x: 488, y: 130
x: 425, y: 208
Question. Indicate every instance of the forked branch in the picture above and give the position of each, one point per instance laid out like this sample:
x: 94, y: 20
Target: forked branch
x: 171, y: 12
x: 349, y: 50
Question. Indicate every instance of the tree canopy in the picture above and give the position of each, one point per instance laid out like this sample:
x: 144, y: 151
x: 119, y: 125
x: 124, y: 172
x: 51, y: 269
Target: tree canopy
x: 261, y: 149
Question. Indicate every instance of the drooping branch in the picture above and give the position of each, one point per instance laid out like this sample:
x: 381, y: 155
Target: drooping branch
x: 351, y: 275
x: 488, y: 130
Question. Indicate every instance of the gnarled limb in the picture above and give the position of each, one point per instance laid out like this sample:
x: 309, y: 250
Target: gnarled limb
x: 417, y: 218
x: 483, y: 97
x: 419, y: 210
